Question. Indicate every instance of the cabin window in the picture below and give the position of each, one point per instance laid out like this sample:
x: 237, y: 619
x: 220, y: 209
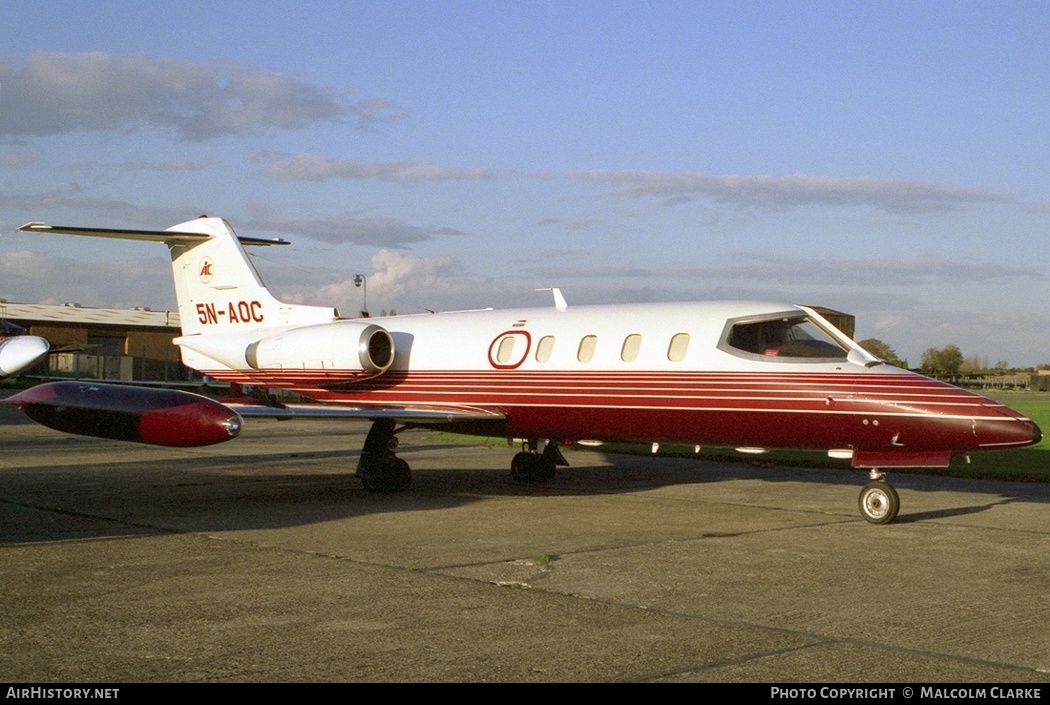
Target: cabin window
x: 631, y: 345
x: 676, y: 350
x: 544, y: 348
x: 587, y: 345
x: 791, y: 337
x: 505, y: 349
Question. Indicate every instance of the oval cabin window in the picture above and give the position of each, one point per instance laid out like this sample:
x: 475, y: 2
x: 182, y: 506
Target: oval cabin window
x: 631, y: 345
x: 544, y: 348
x: 506, y: 348
x: 587, y: 345
x: 676, y: 350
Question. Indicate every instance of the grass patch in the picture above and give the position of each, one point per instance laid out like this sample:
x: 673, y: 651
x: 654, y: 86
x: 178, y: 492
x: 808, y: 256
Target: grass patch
x: 460, y: 439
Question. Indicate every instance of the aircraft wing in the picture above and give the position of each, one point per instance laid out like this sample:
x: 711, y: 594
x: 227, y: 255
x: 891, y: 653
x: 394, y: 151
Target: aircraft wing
x: 171, y: 417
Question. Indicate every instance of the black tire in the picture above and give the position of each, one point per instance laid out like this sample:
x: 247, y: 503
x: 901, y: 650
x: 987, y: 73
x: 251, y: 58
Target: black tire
x: 878, y: 502
x: 544, y: 471
x: 399, y: 475
x: 521, y: 467
x: 531, y: 469
x: 395, y: 476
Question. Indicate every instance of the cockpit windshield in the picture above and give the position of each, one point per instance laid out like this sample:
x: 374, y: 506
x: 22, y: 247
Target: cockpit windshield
x: 791, y: 337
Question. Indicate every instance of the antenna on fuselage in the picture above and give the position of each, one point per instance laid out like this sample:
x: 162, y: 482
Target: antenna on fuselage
x: 559, y: 300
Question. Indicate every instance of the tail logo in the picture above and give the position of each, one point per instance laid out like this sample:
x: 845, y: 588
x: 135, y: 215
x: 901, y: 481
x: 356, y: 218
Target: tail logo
x: 205, y: 271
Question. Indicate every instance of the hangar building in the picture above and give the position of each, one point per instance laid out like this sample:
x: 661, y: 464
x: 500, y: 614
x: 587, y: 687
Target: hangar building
x: 104, y: 343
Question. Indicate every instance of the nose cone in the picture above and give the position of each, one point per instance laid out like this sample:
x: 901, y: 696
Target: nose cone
x: 1006, y: 428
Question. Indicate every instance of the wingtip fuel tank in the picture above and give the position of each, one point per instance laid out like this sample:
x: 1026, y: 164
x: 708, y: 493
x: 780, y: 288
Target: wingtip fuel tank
x: 19, y: 353
x: 164, y: 417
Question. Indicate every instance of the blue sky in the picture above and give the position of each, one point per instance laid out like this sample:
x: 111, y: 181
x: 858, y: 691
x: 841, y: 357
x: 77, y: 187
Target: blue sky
x: 886, y: 159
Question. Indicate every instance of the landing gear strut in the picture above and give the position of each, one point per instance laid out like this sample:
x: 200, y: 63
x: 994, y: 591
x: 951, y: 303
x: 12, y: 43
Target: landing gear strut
x: 379, y: 468
x: 532, y: 467
x: 878, y: 500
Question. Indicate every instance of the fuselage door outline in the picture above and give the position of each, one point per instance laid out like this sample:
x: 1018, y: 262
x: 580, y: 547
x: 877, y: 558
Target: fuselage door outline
x: 508, y: 353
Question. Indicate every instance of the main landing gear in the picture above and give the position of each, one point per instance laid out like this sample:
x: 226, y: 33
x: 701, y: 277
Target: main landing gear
x: 533, y: 466
x: 382, y: 472
x: 379, y: 468
x: 878, y: 500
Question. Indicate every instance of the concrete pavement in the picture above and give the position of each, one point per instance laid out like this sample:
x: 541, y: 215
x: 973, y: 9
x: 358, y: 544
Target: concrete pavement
x: 264, y: 560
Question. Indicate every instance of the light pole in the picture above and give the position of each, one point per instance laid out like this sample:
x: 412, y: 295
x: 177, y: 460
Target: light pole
x: 361, y: 281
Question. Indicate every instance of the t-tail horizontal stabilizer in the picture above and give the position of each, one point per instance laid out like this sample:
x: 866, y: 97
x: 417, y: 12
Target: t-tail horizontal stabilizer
x: 217, y: 287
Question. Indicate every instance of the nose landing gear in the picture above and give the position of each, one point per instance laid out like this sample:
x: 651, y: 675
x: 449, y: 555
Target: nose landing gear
x: 878, y: 501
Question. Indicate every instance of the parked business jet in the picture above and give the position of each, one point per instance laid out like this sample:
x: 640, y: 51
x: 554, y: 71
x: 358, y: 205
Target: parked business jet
x: 751, y: 376
x: 18, y: 351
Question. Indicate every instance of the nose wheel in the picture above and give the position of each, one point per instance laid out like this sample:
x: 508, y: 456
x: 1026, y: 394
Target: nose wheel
x: 878, y: 501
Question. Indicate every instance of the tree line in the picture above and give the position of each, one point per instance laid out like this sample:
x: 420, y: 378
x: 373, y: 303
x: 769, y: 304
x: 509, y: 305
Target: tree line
x: 943, y: 362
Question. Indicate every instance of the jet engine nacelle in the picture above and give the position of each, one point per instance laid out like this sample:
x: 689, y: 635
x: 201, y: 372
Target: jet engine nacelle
x: 345, y: 345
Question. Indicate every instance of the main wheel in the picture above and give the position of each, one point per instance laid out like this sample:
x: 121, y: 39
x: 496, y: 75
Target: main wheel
x: 521, y: 467
x: 879, y: 502
x: 394, y: 476
x: 544, y: 471
x: 399, y: 476
x: 530, y: 469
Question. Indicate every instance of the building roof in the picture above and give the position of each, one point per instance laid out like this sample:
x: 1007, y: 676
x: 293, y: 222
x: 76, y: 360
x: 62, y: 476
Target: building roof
x: 77, y: 314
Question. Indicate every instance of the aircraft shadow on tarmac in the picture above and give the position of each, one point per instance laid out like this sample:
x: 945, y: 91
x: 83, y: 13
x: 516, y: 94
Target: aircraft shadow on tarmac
x: 92, y: 488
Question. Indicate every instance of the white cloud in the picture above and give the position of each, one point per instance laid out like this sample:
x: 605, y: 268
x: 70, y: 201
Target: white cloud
x: 395, y: 277
x: 61, y: 93
x: 348, y: 228
x: 397, y: 272
x: 812, y: 272
x: 109, y: 211
x: 14, y: 160
x: 31, y: 277
x: 176, y: 165
x: 374, y: 111
x: 310, y: 167
x: 1037, y: 207
x: 785, y: 192
x: 896, y: 271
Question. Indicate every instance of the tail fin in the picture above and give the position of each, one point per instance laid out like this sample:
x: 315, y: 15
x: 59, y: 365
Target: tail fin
x: 218, y: 288
x: 216, y: 285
